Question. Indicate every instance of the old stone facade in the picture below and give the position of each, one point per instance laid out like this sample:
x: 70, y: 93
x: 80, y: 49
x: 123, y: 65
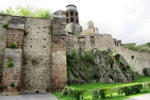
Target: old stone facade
x: 33, y: 50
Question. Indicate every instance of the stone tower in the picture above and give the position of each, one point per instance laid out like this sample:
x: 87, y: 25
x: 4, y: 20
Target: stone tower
x: 72, y: 14
x: 72, y: 20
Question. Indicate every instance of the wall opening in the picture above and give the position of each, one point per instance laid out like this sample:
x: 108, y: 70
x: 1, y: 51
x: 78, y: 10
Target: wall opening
x: 132, y: 57
x: 71, y: 13
x: 81, y: 41
x: 92, y: 39
x: 71, y: 19
x: 37, y: 92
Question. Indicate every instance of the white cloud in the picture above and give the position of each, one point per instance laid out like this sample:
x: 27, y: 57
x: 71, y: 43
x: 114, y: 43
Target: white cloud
x: 128, y: 20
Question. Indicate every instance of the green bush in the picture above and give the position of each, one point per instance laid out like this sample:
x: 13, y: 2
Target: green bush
x: 133, y: 89
x: 95, y: 95
x: 10, y: 64
x: 12, y: 84
x: 26, y: 33
x: 102, y: 93
x: 12, y: 45
x: 5, y: 26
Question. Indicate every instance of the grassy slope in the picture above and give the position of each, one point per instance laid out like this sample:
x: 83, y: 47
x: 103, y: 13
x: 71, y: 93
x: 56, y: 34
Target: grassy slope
x: 99, y: 86
x: 142, y: 48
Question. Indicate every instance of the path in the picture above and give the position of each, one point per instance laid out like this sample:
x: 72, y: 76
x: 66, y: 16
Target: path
x: 30, y: 97
x: 141, y: 97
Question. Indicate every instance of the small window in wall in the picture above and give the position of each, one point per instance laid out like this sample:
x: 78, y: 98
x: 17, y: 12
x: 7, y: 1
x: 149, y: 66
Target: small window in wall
x: 92, y: 39
x: 132, y: 57
x: 71, y: 19
x: 81, y: 40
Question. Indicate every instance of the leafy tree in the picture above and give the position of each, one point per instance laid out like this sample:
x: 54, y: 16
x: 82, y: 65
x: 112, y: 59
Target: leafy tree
x: 9, y: 11
x: 27, y: 11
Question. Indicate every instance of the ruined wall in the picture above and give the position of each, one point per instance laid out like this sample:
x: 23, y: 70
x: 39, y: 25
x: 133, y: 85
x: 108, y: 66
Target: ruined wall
x: 11, y: 80
x: 137, y: 60
x: 37, y: 55
x: 59, y: 65
x: 4, y: 20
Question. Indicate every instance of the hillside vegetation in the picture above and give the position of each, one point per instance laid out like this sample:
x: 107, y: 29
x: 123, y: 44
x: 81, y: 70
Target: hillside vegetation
x: 98, y: 66
x: 142, y: 48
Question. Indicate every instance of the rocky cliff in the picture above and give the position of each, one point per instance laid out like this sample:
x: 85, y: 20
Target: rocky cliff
x: 98, y: 66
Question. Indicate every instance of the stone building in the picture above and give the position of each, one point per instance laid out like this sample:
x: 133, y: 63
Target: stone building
x: 33, y: 50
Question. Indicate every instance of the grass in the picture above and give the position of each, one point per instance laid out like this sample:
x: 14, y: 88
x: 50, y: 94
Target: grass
x: 101, y: 85
x: 142, y: 48
x: 90, y: 86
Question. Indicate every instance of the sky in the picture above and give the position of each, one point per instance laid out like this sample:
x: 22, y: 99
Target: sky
x: 126, y: 20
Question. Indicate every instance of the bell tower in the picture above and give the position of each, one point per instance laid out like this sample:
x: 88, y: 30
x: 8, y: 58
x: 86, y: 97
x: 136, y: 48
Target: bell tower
x: 72, y: 20
x: 72, y: 14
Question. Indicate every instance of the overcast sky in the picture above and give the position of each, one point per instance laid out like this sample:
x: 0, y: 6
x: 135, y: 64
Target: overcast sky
x: 128, y: 20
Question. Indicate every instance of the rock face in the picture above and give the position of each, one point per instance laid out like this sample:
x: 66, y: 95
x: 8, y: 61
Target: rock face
x: 98, y: 66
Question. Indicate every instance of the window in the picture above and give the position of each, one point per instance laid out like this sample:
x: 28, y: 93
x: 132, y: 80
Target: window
x: 71, y: 13
x: 71, y: 19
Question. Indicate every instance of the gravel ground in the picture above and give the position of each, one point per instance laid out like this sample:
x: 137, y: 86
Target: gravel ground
x: 141, y: 97
x: 30, y: 97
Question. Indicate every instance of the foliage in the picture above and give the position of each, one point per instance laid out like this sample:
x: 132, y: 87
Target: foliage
x: 27, y: 11
x: 5, y: 26
x: 34, y: 61
x: 12, y: 84
x: 26, y: 33
x: 99, y: 91
x: 120, y: 60
x: 10, y: 63
x: 77, y: 34
x: 141, y: 48
x: 12, y: 45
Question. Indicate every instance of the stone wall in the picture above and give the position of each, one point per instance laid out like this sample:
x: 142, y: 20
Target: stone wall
x: 11, y: 80
x: 4, y: 20
x: 37, y: 56
x: 137, y: 60
x: 12, y: 74
x: 59, y: 66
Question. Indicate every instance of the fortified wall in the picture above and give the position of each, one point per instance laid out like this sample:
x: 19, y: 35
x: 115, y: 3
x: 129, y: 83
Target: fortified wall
x: 32, y: 54
x: 136, y: 59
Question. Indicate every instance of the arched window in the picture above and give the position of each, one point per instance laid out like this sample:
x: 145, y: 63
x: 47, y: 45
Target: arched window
x: 71, y: 13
